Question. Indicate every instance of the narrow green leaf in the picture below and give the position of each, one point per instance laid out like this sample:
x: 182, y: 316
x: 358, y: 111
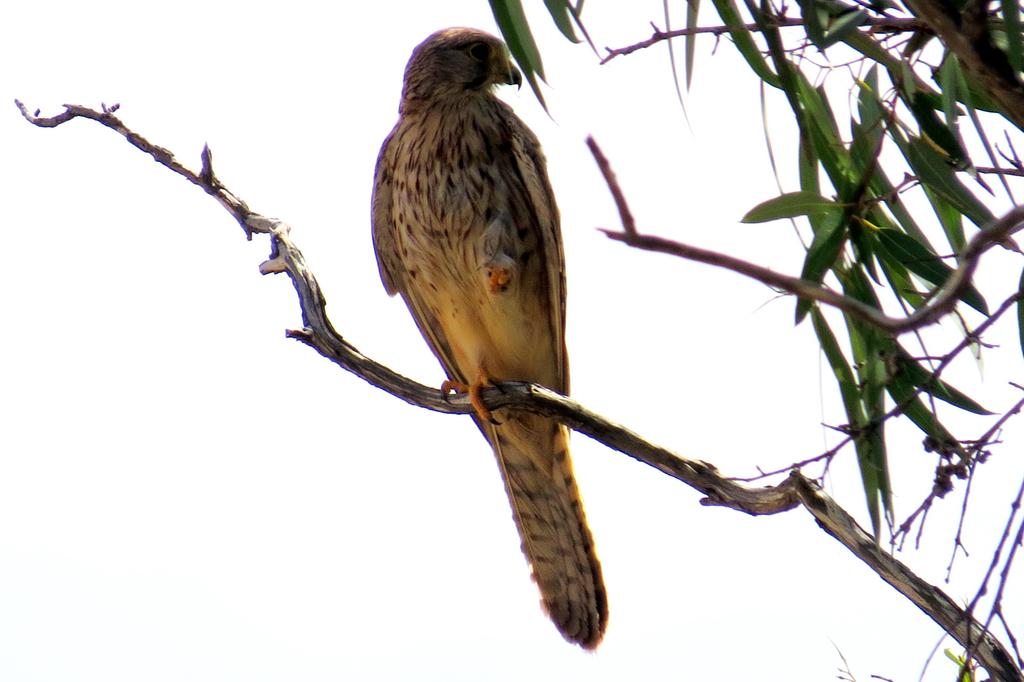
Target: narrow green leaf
x: 872, y: 460
x: 812, y: 23
x: 1014, y: 50
x: 968, y: 91
x: 559, y: 10
x: 937, y: 131
x: 843, y: 25
x: 898, y: 278
x: 672, y: 59
x: 869, y: 106
x: 912, y: 371
x: 870, y: 48
x: 825, y: 249
x: 791, y: 205
x: 873, y: 116
x: 730, y: 15
x: 821, y: 256
x: 948, y: 83
x: 1020, y: 312
x: 856, y: 284
x: 848, y: 389
x: 867, y: 142
x: 906, y: 81
x: 923, y: 262
x: 938, y: 176
x: 824, y: 135
x: 511, y: 20
x: 952, y: 220
x: 868, y: 352
x: 950, y: 77
x: 901, y: 391
x: 692, y: 10
x: 808, y: 160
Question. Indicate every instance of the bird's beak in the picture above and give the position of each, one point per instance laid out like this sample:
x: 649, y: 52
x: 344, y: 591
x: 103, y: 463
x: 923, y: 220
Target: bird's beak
x: 506, y: 72
x: 514, y: 77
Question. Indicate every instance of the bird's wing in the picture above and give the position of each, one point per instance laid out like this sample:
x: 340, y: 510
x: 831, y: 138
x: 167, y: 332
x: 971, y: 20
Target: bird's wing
x: 532, y: 169
x: 385, y: 243
x: 389, y: 263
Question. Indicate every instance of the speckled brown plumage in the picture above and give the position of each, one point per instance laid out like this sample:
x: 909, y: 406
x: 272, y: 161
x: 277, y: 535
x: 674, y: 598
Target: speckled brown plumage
x: 465, y: 228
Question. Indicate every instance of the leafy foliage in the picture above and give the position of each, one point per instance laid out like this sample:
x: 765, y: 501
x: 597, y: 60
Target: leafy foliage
x: 912, y: 94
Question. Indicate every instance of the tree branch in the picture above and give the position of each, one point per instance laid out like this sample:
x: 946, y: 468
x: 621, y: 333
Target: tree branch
x: 942, y: 302
x: 877, y: 24
x: 967, y: 35
x: 796, y: 490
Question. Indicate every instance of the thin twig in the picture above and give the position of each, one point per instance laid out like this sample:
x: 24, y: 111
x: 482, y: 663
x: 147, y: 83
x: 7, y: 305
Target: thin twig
x: 877, y: 24
x: 625, y: 215
x: 997, y: 601
x: 943, y: 301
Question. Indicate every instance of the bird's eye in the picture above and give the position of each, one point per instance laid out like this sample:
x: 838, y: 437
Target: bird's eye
x: 479, y: 51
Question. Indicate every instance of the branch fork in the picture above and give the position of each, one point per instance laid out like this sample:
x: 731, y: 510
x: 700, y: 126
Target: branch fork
x: 795, y: 491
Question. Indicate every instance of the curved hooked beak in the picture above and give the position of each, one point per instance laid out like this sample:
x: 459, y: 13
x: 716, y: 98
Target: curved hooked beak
x: 514, y: 76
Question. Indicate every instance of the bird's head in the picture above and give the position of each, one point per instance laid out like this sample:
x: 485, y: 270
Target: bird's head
x: 455, y: 61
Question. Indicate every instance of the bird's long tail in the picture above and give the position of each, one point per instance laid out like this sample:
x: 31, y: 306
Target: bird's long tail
x: 533, y: 453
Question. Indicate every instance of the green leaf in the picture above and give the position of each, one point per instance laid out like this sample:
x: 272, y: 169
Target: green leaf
x: 911, y: 370
x: 868, y: 352
x: 840, y: 368
x: 1014, y: 50
x: 511, y: 20
x: 872, y: 117
x: 952, y: 220
x: 898, y: 278
x: 1020, y: 311
x: 824, y: 135
x: 873, y: 461
x: 842, y: 26
x: 791, y: 205
x: 822, y: 254
x: 812, y: 23
x: 692, y: 10
x: 869, y: 106
x: 870, y: 447
x: 825, y: 249
x: 947, y: 79
x: 921, y: 261
x: 863, y: 43
x: 867, y: 142
x: 559, y: 10
x: 937, y: 131
x: 901, y: 391
x: 808, y: 160
x: 730, y: 15
x: 938, y: 176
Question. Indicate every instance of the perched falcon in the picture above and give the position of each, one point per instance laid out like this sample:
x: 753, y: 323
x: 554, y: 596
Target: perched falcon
x: 465, y: 228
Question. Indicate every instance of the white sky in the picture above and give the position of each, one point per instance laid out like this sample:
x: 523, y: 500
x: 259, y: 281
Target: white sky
x: 186, y: 494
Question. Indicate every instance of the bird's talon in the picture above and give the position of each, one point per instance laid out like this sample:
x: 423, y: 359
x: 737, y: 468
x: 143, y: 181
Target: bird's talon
x: 448, y: 387
x: 498, y: 279
x: 475, y: 399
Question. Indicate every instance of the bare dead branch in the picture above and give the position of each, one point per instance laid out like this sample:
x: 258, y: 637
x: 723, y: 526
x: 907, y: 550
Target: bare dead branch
x: 943, y: 301
x: 720, y: 491
x: 625, y: 215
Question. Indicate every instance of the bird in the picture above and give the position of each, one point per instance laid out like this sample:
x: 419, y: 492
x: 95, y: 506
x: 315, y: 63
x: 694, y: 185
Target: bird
x: 465, y: 227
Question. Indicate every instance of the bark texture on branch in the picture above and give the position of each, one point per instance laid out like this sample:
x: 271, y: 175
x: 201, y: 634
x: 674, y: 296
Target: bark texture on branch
x: 794, y: 491
x: 966, y: 34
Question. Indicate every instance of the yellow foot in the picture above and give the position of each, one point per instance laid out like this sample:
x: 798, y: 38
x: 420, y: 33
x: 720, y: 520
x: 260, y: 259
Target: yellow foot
x: 475, y: 399
x: 498, y: 278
